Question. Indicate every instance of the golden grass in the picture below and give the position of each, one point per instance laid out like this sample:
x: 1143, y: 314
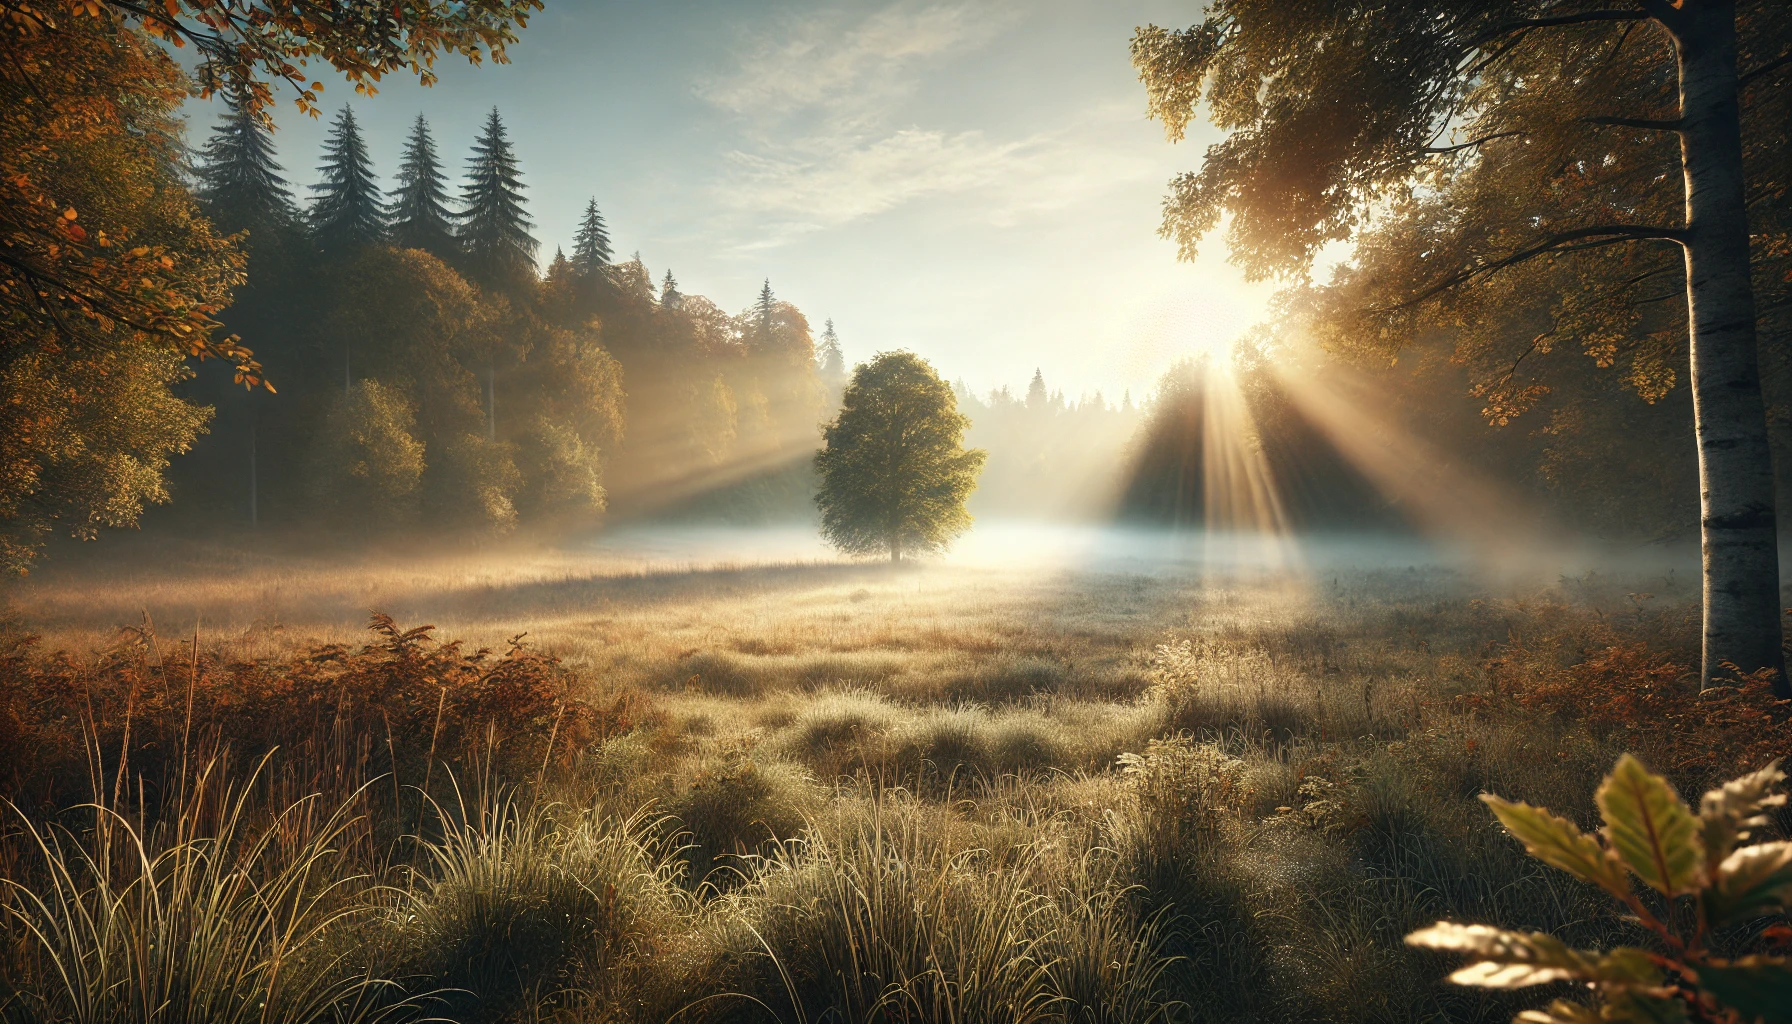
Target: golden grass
x: 841, y: 742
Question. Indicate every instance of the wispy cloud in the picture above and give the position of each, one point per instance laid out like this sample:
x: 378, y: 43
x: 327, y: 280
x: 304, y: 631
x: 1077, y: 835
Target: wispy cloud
x: 1009, y: 180
x: 830, y: 135
x: 849, y: 70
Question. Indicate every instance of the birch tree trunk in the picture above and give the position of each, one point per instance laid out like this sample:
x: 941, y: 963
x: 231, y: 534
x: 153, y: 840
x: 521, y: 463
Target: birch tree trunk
x: 1736, y: 499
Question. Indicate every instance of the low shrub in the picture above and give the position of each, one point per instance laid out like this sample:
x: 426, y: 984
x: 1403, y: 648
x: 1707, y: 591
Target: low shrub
x: 408, y: 699
x: 1640, y: 697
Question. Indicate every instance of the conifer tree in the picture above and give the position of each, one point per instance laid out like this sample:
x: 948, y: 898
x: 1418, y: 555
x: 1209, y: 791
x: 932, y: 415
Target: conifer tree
x: 494, y: 230
x: 1036, y: 396
x: 670, y: 296
x: 419, y: 212
x: 238, y: 181
x: 765, y: 311
x: 833, y: 362
x: 591, y: 244
x: 561, y: 267
x: 347, y: 212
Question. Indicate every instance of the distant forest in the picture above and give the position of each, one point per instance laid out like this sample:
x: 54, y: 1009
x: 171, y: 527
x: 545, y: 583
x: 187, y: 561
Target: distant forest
x: 423, y: 371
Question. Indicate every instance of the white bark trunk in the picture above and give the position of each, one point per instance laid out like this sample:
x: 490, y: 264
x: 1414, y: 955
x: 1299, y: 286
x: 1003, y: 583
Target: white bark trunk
x: 1739, y: 538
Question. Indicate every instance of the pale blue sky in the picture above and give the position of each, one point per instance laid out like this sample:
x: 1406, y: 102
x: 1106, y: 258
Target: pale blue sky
x: 972, y: 180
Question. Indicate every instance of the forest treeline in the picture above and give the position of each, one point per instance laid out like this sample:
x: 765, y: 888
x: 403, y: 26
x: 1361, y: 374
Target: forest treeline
x: 424, y: 365
x: 426, y: 371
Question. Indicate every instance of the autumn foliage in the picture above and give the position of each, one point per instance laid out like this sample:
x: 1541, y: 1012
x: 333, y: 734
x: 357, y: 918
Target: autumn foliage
x: 1621, y: 686
x: 405, y: 702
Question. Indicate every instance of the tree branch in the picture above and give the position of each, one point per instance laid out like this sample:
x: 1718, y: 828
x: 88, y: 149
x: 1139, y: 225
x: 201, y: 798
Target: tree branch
x: 1580, y: 238
x: 1648, y: 124
x: 1747, y: 77
x: 1471, y: 144
x: 1583, y: 18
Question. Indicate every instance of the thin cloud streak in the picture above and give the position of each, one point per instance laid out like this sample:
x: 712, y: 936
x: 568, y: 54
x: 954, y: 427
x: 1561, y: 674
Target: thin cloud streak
x: 817, y: 62
x: 819, y: 106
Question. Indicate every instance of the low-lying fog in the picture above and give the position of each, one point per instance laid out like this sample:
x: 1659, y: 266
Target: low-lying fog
x: 81, y: 602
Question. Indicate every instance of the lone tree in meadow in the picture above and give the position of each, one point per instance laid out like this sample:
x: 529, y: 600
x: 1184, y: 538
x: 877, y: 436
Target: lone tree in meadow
x: 895, y: 472
x: 1610, y: 157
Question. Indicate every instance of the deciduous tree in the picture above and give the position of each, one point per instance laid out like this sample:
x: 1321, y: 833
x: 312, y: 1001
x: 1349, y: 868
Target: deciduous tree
x: 251, y: 45
x: 895, y: 473
x: 109, y: 276
x: 1469, y: 144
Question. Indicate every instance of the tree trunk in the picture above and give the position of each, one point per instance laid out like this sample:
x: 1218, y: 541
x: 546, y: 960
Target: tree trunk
x: 895, y: 549
x: 1736, y: 500
x: 254, y: 483
x: 491, y: 401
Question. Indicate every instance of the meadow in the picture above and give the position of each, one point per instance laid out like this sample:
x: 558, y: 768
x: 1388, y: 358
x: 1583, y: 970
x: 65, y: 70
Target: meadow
x: 1059, y: 776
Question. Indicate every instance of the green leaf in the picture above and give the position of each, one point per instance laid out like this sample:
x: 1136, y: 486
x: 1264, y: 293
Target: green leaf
x: 1758, y: 988
x: 1504, y: 959
x: 1560, y: 1012
x: 1649, y: 826
x: 1641, y: 1008
x: 1560, y: 843
x: 1731, y: 811
x: 1752, y: 882
x: 1627, y: 965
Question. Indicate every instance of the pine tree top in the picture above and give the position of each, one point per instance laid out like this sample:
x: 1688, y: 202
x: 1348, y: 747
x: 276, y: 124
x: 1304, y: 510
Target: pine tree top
x: 419, y: 210
x: 765, y: 310
x: 238, y: 179
x: 832, y: 360
x: 347, y: 211
x: 591, y: 243
x: 670, y: 296
x: 495, y: 226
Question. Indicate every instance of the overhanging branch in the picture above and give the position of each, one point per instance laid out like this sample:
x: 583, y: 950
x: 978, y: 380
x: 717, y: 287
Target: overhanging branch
x: 1565, y: 241
x: 1471, y: 144
x: 1582, y: 18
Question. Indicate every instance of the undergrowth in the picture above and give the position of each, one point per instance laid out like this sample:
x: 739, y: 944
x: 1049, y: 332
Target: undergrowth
x: 1239, y: 824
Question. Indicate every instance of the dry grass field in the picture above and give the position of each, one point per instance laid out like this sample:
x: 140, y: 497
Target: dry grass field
x: 1058, y: 776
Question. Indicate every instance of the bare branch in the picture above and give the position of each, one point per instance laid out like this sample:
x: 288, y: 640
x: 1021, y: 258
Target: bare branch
x: 1579, y: 239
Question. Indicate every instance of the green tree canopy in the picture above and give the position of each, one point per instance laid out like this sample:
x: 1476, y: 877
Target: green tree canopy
x: 368, y: 464
x: 895, y: 473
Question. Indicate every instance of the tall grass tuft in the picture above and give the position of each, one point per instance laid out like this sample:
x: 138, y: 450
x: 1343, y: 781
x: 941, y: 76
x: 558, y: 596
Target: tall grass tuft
x: 874, y: 917
x: 534, y: 904
x: 220, y: 913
